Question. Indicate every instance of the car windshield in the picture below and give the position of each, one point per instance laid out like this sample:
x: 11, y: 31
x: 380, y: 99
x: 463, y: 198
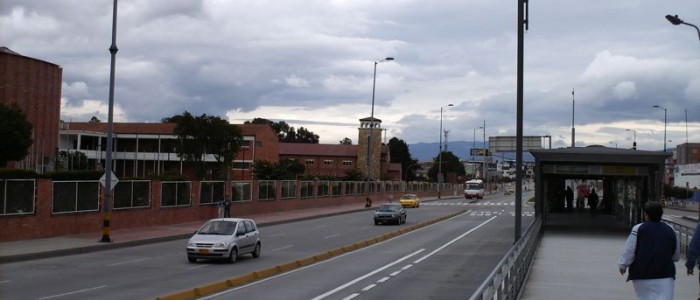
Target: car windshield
x: 388, y: 208
x: 218, y: 227
x: 474, y: 186
x: 409, y: 197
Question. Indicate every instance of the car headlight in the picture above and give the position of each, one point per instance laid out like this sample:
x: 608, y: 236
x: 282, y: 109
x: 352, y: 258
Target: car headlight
x: 221, y: 245
x: 191, y: 245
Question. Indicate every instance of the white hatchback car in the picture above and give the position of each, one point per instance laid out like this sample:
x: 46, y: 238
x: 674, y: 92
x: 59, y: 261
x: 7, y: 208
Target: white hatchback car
x: 224, y: 238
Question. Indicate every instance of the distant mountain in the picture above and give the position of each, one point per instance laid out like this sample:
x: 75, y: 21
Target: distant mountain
x: 427, y: 151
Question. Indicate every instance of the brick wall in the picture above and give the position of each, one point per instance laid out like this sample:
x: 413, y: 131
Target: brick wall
x: 44, y: 224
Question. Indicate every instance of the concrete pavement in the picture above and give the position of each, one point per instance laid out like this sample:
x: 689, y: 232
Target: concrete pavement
x: 579, y: 262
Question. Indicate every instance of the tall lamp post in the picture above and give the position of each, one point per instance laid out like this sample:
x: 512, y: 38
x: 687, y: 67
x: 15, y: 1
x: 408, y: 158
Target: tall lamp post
x: 439, y: 175
x: 371, y: 126
x: 110, y: 115
x: 675, y: 20
x: 634, y: 136
x: 665, y: 113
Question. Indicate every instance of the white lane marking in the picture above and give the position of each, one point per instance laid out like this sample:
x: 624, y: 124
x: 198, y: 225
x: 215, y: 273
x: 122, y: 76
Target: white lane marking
x: 395, y: 273
x: 275, y: 235
x: 197, y: 267
x: 127, y: 262
x: 331, y: 236
x: 351, y: 296
x: 383, y: 279
x: 369, y: 287
x: 453, y: 241
x: 282, y: 248
x: 5, y: 281
x: 335, y: 290
x: 406, y: 267
x: 73, y: 292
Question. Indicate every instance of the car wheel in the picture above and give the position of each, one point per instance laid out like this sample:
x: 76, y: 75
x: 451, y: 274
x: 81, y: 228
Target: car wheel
x: 256, y: 252
x: 376, y: 222
x: 233, y: 255
x: 191, y: 259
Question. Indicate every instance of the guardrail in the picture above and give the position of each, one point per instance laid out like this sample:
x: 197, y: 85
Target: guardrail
x: 507, y: 279
x: 685, y: 234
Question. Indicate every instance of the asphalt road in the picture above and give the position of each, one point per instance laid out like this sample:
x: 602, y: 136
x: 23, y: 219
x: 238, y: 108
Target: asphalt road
x: 455, y: 255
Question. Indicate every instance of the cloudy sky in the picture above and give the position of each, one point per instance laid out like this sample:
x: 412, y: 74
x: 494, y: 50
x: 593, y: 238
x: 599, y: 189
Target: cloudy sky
x: 311, y: 62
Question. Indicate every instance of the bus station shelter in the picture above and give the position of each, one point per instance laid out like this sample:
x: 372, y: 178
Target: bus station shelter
x: 626, y: 178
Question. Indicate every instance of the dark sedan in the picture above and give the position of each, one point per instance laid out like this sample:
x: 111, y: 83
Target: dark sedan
x: 390, y: 213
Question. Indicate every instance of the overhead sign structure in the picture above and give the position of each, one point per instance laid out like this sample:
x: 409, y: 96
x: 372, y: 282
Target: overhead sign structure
x: 507, y: 143
x: 113, y: 181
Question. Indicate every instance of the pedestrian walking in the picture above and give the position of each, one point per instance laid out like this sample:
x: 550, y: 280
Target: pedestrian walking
x: 569, y: 195
x: 227, y: 207
x: 693, y: 251
x: 220, y: 208
x: 651, y: 249
x: 593, y: 202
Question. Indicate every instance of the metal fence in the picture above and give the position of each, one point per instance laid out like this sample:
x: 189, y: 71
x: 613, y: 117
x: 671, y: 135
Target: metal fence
x: 175, y: 193
x: 211, y: 192
x: 75, y: 196
x: 508, y: 277
x: 17, y: 196
x: 506, y: 280
x: 132, y: 194
x: 685, y: 234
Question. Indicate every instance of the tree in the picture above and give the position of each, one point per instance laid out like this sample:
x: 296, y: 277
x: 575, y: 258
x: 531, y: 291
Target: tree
x: 346, y: 141
x: 94, y: 119
x: 286, y: 133
x: 450, y: 165
x: 16, y: 132
x: 286, y: 169
x: 400, y: 154
x: 199, y: 136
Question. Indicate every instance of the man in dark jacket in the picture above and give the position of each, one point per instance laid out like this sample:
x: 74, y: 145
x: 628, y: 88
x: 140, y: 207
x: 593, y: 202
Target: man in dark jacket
x: 650, y: 252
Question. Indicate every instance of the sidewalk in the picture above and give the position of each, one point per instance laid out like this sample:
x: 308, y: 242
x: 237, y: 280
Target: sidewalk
x: 577, y: 259
x: 88, y: 242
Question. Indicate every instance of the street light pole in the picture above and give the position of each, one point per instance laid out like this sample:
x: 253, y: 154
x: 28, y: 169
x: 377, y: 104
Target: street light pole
x: 665, y: 113
x: 110, y: 116
x: 439, y: 175
x: 634, y: 141
x: 371, y: 126
x: 675, y: 20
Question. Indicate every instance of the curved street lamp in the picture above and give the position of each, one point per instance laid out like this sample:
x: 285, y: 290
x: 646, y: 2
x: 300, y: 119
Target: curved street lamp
x: 675, y: 20
x: 439, y: 175
x: 371, y: 126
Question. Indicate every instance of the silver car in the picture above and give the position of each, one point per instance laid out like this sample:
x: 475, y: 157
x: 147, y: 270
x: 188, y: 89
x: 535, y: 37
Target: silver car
x: 224, y: 238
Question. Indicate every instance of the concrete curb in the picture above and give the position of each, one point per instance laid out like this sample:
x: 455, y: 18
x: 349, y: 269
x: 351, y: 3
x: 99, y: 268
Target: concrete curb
x: 222, y: 285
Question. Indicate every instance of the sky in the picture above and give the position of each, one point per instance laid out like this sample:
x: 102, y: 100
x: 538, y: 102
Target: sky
x: 311, y: 63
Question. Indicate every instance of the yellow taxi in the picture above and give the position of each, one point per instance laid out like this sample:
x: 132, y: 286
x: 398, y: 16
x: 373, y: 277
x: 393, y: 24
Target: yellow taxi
x: 409, y: 200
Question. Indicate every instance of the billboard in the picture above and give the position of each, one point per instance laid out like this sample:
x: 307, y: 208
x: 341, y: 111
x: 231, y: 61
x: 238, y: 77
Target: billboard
x: 507, y: 143
x: 479, y: 152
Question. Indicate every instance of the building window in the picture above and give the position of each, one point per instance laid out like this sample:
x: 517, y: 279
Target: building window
x: 310, y: 161
x: 245, y: 144
x: 347, y: 163
x: 328, y: 162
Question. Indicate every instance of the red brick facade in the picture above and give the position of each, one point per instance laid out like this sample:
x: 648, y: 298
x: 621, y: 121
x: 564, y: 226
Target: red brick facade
x: 35, y: 86
x: 43, y: 223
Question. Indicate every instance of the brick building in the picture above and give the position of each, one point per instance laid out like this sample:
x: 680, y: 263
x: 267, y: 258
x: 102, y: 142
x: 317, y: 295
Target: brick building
x: 141, y: 149
x: 34, y: 85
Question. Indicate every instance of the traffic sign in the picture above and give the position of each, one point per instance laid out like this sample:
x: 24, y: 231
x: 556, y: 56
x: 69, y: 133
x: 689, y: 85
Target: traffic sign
x: 113, y: 180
